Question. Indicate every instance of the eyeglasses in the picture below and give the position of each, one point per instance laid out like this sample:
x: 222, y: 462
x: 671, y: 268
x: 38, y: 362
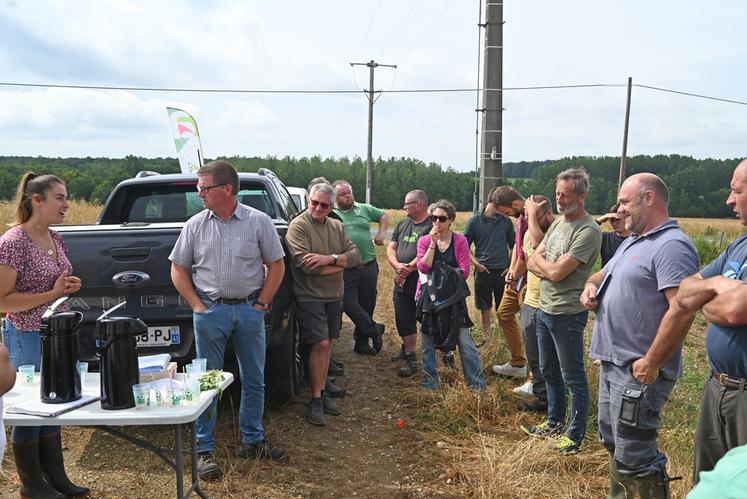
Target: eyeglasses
x: 315, y: 203
x: 408, y: 203
x: 206, y: 188
x: 441, y: 219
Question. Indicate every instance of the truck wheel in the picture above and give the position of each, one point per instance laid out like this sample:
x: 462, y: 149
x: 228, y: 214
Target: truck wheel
x: 283, y: 367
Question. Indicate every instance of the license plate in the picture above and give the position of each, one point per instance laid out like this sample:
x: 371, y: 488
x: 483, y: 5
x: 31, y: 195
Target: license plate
x: 160, y: 336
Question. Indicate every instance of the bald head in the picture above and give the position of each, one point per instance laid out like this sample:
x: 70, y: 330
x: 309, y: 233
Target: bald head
x: 737, y: 199
x: 643, y: 201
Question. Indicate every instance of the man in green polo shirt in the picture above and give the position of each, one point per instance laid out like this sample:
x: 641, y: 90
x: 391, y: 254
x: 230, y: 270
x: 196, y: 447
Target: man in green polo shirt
x: 360, y: 282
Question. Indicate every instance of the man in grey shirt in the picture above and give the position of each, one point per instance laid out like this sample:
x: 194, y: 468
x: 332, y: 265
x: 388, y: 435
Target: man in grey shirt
x: 217, y: 267
x: 636, y: 315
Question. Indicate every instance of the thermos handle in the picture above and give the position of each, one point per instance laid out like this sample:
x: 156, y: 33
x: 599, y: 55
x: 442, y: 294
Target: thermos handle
x: 103, y: 347
x: 79, y: 315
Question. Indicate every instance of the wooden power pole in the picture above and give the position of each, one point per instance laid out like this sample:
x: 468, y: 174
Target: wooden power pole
x: 624, y: 155
x: 370, y: 94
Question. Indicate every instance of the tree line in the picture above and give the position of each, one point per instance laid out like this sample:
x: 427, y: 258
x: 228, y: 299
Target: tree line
x: 698, y: 187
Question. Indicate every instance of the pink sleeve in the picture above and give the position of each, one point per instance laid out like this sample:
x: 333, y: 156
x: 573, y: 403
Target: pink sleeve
x: 423, y: 244
x: 461, y: 251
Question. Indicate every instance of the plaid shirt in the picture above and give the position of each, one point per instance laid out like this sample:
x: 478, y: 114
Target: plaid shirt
x: 226, y: 257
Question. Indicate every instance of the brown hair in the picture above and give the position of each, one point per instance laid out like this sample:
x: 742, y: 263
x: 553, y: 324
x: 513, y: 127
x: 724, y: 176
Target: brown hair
x: 443, y: 204
x: 223, y: 173
x: 31, y: 184
x: 504, y: 195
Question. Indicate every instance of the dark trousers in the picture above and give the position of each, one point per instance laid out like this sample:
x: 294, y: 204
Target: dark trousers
x: 722, y: 424
x: 359, y: 300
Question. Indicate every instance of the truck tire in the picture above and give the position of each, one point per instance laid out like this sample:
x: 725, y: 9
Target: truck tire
x: 283, y: 367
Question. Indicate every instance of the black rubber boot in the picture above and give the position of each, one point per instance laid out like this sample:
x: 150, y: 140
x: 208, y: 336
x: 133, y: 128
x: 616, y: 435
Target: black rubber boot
x: 53, y: 466
x: 29, y: 469
x: 411, y: 365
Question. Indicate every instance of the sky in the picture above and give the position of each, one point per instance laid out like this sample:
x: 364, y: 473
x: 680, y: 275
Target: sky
x: 684, y: 45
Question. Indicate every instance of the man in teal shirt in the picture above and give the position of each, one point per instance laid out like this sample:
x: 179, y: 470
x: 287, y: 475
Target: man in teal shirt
x: 360, y: 282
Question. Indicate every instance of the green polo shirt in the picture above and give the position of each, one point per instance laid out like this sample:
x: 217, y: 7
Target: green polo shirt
x: 357, y: 221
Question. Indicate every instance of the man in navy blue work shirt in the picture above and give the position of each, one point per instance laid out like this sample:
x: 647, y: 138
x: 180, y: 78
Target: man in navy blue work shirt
x: 719, y: 290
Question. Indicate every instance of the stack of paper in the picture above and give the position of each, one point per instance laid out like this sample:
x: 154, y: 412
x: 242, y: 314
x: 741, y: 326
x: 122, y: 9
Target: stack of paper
x: 153, y: 363
x: 39, y: 408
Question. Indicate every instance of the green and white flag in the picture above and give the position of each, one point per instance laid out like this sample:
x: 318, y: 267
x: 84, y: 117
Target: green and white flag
x: 187, y: 140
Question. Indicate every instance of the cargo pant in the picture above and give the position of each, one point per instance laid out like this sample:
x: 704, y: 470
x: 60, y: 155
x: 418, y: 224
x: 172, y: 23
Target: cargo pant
x: 629, y: 418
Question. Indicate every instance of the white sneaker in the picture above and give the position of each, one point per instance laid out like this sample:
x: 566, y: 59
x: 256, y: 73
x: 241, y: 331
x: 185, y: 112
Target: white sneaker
x: 508, y: 370
x: 525, y: 390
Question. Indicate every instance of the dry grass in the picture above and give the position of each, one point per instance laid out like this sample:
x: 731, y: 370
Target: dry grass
x: 80, y: 212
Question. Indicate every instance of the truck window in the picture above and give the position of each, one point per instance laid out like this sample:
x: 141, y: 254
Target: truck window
x: 177, y: 203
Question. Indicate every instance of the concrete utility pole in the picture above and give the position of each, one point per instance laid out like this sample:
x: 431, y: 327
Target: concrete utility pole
x: 370, y: 94
x: 491, y: 155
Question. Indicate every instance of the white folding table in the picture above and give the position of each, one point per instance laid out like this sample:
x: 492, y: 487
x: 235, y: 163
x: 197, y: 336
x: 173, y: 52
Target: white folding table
x: 93, y: 415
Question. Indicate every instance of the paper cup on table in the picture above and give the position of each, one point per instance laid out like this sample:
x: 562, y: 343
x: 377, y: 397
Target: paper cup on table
x: 142, y: 396
x: 26, y: 374
x: 83, y: 369
x: 201, y: 363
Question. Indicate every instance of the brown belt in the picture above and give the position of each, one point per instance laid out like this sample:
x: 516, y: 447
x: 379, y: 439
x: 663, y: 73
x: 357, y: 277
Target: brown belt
x: 728, y: 382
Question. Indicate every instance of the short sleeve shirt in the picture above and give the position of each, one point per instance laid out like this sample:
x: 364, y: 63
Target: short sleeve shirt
x: 226, y: 257
x: 357, y: 221
x: 610, y: 242
x: 532, y: 296
x: 406, y: 235
x: 727, y: 346
x: 632, y: 302
x: 493, y: 238
x: 36, y: 271
x: 579, y: 239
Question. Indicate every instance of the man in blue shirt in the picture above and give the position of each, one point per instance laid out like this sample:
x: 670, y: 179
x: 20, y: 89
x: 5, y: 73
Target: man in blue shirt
x: 636, y: 314
x: 720, y: 292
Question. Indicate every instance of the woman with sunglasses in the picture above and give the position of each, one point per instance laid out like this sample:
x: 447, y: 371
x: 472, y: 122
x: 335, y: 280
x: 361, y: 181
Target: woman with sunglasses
x: 442, y: 244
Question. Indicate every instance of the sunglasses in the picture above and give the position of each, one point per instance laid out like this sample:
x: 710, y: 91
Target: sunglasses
x: 316, y: 203
x: 206, y: 188
x: 441, y: 218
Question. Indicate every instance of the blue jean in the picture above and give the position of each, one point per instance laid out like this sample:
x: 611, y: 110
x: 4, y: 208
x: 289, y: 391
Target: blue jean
x: 245, y: 327
x: 528, y: 323
x: 561, y: 353
x: 632, y: 443
x: 471, y: 365
x: 24, y: 347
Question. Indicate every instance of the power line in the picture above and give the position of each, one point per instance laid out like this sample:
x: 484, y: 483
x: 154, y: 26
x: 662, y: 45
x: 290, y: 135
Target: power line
x: 341, y: 91
x: 426, y: 31
x: 399, y: 28
x: 365, y: 37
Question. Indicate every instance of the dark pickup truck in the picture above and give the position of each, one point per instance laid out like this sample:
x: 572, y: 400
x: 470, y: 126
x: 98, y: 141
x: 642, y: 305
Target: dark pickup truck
x: 124, y: 257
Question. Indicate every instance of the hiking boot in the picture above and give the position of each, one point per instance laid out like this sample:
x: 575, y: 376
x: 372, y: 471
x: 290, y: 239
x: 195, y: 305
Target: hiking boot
x: 329, y: 406
x: 332, y: 390
x: 315, y: 412
x: 263, y: 450
x: 568, y: 446
x: 448, y: 360
x: 411, y: 365
x: 535, y: 405
x: 525, y: 390
x: 362, y: 347
x: 378, y: 337
x: 543, y: 430
x: 508, y: 370
x: 335, y: 368
x: 400, y: 355
x: 207, y: 468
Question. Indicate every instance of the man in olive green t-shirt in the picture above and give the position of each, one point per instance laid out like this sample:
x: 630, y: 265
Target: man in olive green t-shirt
x: 360, y: 282
x: 563, y: 262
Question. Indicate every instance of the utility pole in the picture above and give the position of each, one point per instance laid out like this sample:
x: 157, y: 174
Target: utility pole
x: 491, y: 157
x: 624, y: 155
x: 370, y: 94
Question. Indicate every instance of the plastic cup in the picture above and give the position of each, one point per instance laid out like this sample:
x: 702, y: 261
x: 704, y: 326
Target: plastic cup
x: 201, y: 363
x: 192, y: 370
x: 83, y: 368
x: 176, y: 395
x: 192, y: 389
x: 26, y: 373
x: 142, y: 396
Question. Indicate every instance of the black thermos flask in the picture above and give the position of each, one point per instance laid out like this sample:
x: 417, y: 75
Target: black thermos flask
x: 60, y: 377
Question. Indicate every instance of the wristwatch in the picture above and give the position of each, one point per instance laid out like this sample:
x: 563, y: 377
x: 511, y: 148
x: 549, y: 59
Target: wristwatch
x: 334, y: 258
x: 264, y: 306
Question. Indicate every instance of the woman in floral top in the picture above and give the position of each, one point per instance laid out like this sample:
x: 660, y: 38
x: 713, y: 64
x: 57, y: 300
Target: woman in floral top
x: 35, y: 271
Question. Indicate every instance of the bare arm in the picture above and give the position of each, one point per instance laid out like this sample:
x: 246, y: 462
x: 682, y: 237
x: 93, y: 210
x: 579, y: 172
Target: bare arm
x: 532, y: 209
x: 7, y: 373
x: 275, y: 273
x: 670, y: 334
x: 589, y: 294
x: 383, y: 226
x: 728, y: 307
x: 182, y: 279
x: 695, y: 292
x: 553, y: 271
x: 11, y: 301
